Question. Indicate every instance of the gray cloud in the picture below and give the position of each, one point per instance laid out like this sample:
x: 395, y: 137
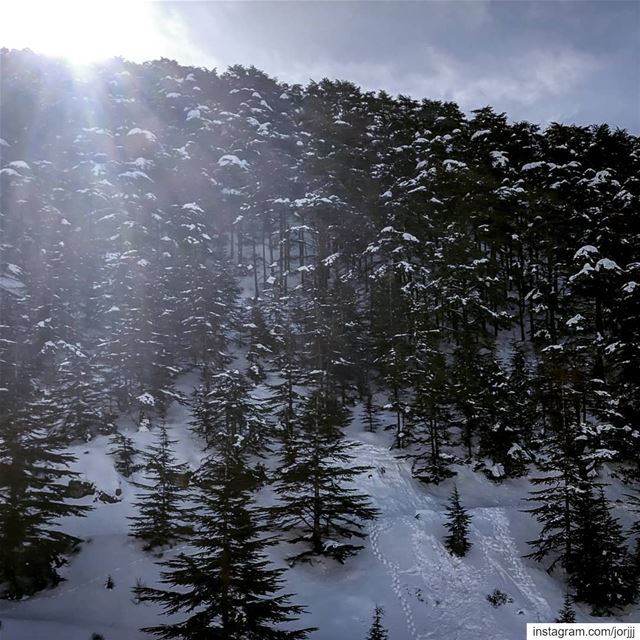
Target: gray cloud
x: 541, y: 61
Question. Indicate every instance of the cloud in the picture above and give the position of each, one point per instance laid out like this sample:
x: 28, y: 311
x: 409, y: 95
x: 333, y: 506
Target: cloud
x: 535, y: 60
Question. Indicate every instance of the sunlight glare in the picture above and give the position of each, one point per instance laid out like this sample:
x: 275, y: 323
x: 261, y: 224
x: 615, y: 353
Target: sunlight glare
x: 83, y: 32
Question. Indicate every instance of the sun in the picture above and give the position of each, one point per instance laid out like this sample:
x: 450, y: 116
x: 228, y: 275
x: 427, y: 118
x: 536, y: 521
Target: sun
x: 83, y: 31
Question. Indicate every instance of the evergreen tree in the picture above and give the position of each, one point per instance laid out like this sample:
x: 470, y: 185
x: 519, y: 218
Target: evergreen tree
x: 32, y: 501
x: 377, y: 631
x: 161, y: 512
x: 567, y: 615
x: 286, y: 396
x: 429, y: 415
x: 370, y: 418
x: 259, y: 345
x: 563, y: 460
x: 225, y: 586
x: 223, y: 407
x: 457, y: 524
x: 315, y: 500
x: 125, y: 454
x: 601, y: 570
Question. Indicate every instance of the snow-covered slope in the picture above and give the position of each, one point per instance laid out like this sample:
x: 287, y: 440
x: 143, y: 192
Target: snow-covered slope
x: 425, y: 592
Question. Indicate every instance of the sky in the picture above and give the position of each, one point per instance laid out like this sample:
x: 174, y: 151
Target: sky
x: 542, y: 61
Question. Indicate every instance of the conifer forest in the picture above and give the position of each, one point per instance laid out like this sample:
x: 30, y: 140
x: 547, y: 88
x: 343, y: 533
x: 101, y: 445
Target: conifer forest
x: 283, y: 362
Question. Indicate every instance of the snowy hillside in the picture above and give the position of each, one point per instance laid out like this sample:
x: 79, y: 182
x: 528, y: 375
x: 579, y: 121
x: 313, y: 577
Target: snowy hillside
x: 426, y: 593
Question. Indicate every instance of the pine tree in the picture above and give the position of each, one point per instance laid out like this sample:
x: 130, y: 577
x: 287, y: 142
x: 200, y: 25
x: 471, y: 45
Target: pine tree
x: 457, y: 524
x: 125, y: 454
x: 566, y: 470
x: 567, y: 615
x: 225, y: 585
x: 370, y: 418
x: 429, y: 414
x: 601, y: 570
x: 223, y: 406
x: 161, y: 514
x: 32, y: 501
x: 315, y: 500
x: 519, y: 402
x: 377, y: 631
x: 259, y: 345
x: 286, y: 396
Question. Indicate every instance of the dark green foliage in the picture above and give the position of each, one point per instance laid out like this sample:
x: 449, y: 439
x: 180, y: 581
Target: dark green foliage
x: 430, y: 415
x: 33, y: 470
x: 225, y: 585
x: 125, y: 454
x: 161, y: 513
x: 377, y: 631
x: 316, y: 501
x: 600, y: 571
x: 222, y: 406
x: 498, y: 598
x: 566, y: 615
x: 457, y: 524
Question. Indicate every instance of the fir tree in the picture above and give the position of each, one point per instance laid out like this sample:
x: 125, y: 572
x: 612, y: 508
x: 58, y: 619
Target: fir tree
x: 125, y: 454
x: 32, y: 501
x: 225, y: 585
x: 377, y: 631
x: 223, y: 406
x: 567, y: 615
x: 161, y: 514
x: 429, y: 415
x: 601, y: 570
x: 315, y: 501
x: 457, y: 524
x: 566, y: 473
x: 370, y: 419
x: 259, y: 345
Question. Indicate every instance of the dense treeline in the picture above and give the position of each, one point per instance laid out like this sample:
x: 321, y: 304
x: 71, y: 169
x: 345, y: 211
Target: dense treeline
x: 472, y: 282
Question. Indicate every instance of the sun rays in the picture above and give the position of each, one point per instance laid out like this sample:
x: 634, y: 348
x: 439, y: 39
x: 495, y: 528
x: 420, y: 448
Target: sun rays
x: 85, y: 32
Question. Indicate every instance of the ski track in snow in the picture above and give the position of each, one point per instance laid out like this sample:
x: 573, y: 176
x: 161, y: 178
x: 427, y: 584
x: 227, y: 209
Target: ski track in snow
x: 441, y: 595
x: 511, y: 568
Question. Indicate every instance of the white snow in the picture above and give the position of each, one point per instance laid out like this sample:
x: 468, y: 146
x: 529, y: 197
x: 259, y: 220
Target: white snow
x: 585, y: 252
x: 427, y: 593
x: 585, y: 271
x: 11, y: 285
x: 142, y: 163
x: 10, y: 172
x: 229, y: 159
x: 499, y: 159
x: 607, y: 265
x: 329, y: 260
x: 480, y: 134
x: 533, y: 165
x: 19, y: 164
x: 143, y: 132
x: 575, y: 320
x: 192, y: 206
x: 134, y: 175
x: 600, y: 178
x: 453, y: 165
x: 147, y: 399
